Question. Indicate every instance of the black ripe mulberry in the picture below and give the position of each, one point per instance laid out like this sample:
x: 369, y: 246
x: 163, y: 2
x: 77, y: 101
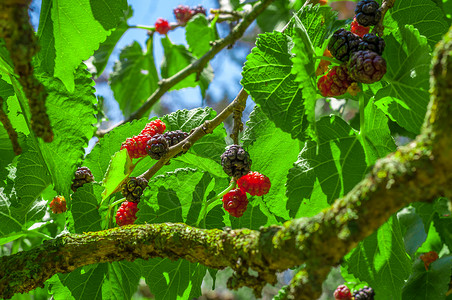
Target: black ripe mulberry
x: 82, y: 175
x: 343, y: 43
x: 366, y: 66
x: 133, y: 188
x: 368, y: 12
x: 236, y: 161
x: 366, y: 293
x: 157, y: 146
x: 373, y: 43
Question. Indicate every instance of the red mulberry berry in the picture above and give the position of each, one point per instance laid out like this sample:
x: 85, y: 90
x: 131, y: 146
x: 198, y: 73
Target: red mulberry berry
x: 133, y: 188
x: 335, y: 83
x: 235, y: 202
x: 82, y: 175
x: 126, y: 213
x: 343, y: 43
x: 254, y: 184
x: 342, y: 293
x: 366, y: 66
x: 136, y: 146
x: 428, y: 258
x: 368, y: 12
x: 154, y: 127
x: 358, y: 29
x: 366, y: 293
x: 58, y: 205
x: 182, y: 13
x: 162, y: 26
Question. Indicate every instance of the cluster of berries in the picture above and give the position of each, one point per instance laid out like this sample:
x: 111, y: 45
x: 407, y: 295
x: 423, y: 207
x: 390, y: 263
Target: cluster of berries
x: 358, y: 50
x: 236, y: 162
x: 131, y: 189
x: 343, y: 293
x: 152, y: 141
x: 182, y: 13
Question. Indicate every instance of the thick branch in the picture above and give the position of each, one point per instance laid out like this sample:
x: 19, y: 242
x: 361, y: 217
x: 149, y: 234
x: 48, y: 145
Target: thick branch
x: 198, y: 65
x: 22, y: 44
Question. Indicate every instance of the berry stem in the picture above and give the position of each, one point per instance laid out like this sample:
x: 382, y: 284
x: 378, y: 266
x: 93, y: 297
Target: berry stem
x: 362, y: 106
x: 108, y: 217
x: 208, y: 203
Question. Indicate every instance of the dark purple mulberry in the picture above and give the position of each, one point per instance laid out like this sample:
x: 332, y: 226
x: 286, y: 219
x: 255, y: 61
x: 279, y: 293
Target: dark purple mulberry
x: 373, y: 43
x: 368, y: 12
x: 343, y: 43
x: 82, y: 175
x: 133, y: 188
x: 366, y: 66
x: 236, y: 161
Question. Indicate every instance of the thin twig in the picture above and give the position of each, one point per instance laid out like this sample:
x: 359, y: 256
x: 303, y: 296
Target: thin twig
x: 195, y: 67
x: 206, y: 128
x: 9, y: 128
x: 385, y: 6
x: 237, y: 116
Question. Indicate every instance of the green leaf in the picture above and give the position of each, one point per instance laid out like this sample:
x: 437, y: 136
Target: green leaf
x: 32, y: 175
x: 163, y: 202
x: 275, y: 17
x: 444, y: 228
x: 77, y: 30
x: 412, y: 229
x: 253, y: 218
x: 380, y: 260
x: 375, y: 134
x: 102, y: 54
x: 85, y: 282
x: 72, y: 118
x: 6, y: 153
x: 178, y: 57
x: 6, y: 89
x: 170, y: 280
x: 325, y: 170
x: 85, y: 202
x: 406, y: 96
x: 422, y: 14
x: 267, y: 78
x: 431, y: 284
x: 98, y: 159
x: 199, y: 34
x: 9, y: 224
x: 317, y: 20
x: 134, y: 77
x: 119, y: 170
x: 273, y: 152
x: 122, y: 280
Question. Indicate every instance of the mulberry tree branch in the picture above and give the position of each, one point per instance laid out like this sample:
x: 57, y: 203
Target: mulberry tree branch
x: 198, y: 65
x: 22, y: 44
